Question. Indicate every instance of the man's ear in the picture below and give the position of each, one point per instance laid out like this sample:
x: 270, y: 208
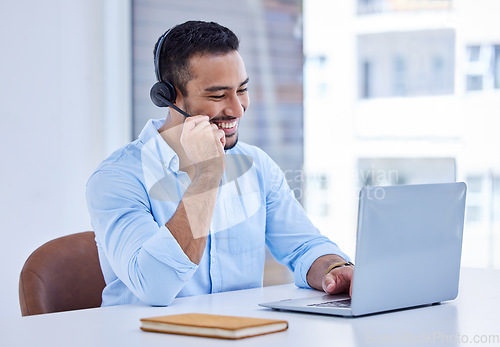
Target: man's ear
x: 179, y: 99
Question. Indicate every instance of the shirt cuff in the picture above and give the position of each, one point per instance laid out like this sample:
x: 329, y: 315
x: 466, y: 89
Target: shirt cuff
x: 165, y: 248
x: 300, y: 273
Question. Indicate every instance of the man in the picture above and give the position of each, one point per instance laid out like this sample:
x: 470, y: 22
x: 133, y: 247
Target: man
x: 186, y: 209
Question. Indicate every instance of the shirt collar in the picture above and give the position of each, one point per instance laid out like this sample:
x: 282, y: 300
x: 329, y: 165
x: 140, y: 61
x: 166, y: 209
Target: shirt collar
x: 152, y: 139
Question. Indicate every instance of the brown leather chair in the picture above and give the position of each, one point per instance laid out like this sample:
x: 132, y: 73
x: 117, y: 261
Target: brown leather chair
x: 62, y: 275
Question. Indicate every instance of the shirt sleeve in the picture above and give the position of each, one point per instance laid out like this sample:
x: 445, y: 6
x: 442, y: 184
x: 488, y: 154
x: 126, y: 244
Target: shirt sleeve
x: 143, y: 255
x: 290, y: 236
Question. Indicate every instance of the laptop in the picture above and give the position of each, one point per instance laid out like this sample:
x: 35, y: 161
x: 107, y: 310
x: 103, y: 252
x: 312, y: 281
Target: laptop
x: 408, y: 251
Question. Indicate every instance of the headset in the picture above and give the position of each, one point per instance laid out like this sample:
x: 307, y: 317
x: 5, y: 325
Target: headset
x: 163, y: 93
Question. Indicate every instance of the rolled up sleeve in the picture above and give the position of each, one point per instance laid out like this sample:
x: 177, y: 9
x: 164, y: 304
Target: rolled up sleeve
x: 142, y: 253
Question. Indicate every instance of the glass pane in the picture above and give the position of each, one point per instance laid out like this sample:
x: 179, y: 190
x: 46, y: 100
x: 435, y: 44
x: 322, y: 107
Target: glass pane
x: 496, y: 199
x: 270, y: 34
x: 473, y: 53
x: 496, y: 66
x: 410, y: 64
x: 474, y: 83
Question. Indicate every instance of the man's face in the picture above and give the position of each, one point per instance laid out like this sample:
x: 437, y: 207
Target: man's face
x: 218, y: 89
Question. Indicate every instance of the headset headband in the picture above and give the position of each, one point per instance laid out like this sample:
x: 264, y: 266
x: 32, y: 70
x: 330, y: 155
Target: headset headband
x: 157, y: 56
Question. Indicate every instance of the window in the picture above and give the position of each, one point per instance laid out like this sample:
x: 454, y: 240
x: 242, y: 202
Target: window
x: 496, y: 67
x: 496, y: 199
x: 474, y: 82
x: 406, y: 64
x: 438, y: 76
x: 473, y: 53
x: 475, y: 190
x: 395, y: 114
x: 399, y: 76
x: 482, y: 67
x: 366, y: 79
x: 273, y: 55
x: 378, y: 6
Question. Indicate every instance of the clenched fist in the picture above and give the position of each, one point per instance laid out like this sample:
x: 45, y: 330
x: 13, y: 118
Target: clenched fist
x: 204, y: 144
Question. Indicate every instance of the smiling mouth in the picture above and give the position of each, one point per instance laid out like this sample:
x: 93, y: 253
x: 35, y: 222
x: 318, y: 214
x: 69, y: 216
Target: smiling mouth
x: 227, y: 125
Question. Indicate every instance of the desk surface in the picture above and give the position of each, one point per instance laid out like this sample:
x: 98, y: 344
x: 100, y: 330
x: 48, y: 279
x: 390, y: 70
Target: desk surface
x: 473, y: 316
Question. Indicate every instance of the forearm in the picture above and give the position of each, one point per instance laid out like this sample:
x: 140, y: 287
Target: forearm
x: 318, y: 268
x: 190, y: 223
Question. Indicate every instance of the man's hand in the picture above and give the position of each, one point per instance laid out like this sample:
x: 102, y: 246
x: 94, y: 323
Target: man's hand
x: 338, y: 281
x: 204, y: 144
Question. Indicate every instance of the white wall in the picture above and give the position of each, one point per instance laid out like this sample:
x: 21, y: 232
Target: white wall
x: 60, y: 115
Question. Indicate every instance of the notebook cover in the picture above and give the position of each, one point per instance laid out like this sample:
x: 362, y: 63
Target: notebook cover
x: 212, y: 321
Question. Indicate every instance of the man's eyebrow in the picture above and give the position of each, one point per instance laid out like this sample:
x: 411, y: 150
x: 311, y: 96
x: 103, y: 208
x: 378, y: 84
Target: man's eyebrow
x: 245, y: 82
x: 218, y: 88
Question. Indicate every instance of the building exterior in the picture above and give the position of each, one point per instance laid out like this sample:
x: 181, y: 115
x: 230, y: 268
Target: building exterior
x: 403, y: 92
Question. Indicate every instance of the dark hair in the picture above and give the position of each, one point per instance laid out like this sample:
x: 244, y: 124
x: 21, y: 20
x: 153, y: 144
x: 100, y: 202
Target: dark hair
x: 186, y: 40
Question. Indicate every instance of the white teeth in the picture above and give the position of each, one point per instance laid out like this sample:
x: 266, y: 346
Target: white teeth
x: 227, y: 125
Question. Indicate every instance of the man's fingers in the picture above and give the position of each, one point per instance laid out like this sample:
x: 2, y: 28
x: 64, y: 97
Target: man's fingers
x: 219, y: 135
x: 191, y: 122
x: 202, y: 141
x: 197, y: 127
x: 329, y: 286
x: 196, y: 119
x: 339, y: 281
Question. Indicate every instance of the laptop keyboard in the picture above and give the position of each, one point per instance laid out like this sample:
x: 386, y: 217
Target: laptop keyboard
x: 335, y: 303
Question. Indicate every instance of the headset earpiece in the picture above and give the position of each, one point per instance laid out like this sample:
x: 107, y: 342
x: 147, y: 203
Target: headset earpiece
x: 163, y: 95
x: 161, y: 92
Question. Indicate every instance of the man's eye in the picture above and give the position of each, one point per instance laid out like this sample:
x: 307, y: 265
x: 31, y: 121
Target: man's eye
x: 243, y: 90
x: 217, y: 96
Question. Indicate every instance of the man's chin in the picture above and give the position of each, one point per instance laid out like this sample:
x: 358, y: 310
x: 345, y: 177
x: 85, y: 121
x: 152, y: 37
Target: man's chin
x: 231, y: 142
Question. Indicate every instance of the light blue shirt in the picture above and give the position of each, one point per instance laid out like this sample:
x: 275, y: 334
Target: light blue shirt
x: 134, y: 192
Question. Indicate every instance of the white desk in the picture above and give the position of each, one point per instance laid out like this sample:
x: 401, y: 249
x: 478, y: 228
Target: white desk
x: 474, y: 314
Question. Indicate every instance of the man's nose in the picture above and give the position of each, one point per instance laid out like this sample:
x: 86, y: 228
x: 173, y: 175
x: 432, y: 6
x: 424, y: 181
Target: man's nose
x: 234, y: 107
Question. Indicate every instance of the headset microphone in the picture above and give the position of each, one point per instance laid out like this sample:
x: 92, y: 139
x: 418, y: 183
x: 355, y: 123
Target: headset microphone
x: 163, y: 93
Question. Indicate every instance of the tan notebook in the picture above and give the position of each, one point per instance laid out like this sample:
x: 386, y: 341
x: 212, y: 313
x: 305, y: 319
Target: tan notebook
x: 211, y: 325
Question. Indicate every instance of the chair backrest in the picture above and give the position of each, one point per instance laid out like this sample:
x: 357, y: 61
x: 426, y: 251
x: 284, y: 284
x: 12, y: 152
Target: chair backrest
x: 62, y: 275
